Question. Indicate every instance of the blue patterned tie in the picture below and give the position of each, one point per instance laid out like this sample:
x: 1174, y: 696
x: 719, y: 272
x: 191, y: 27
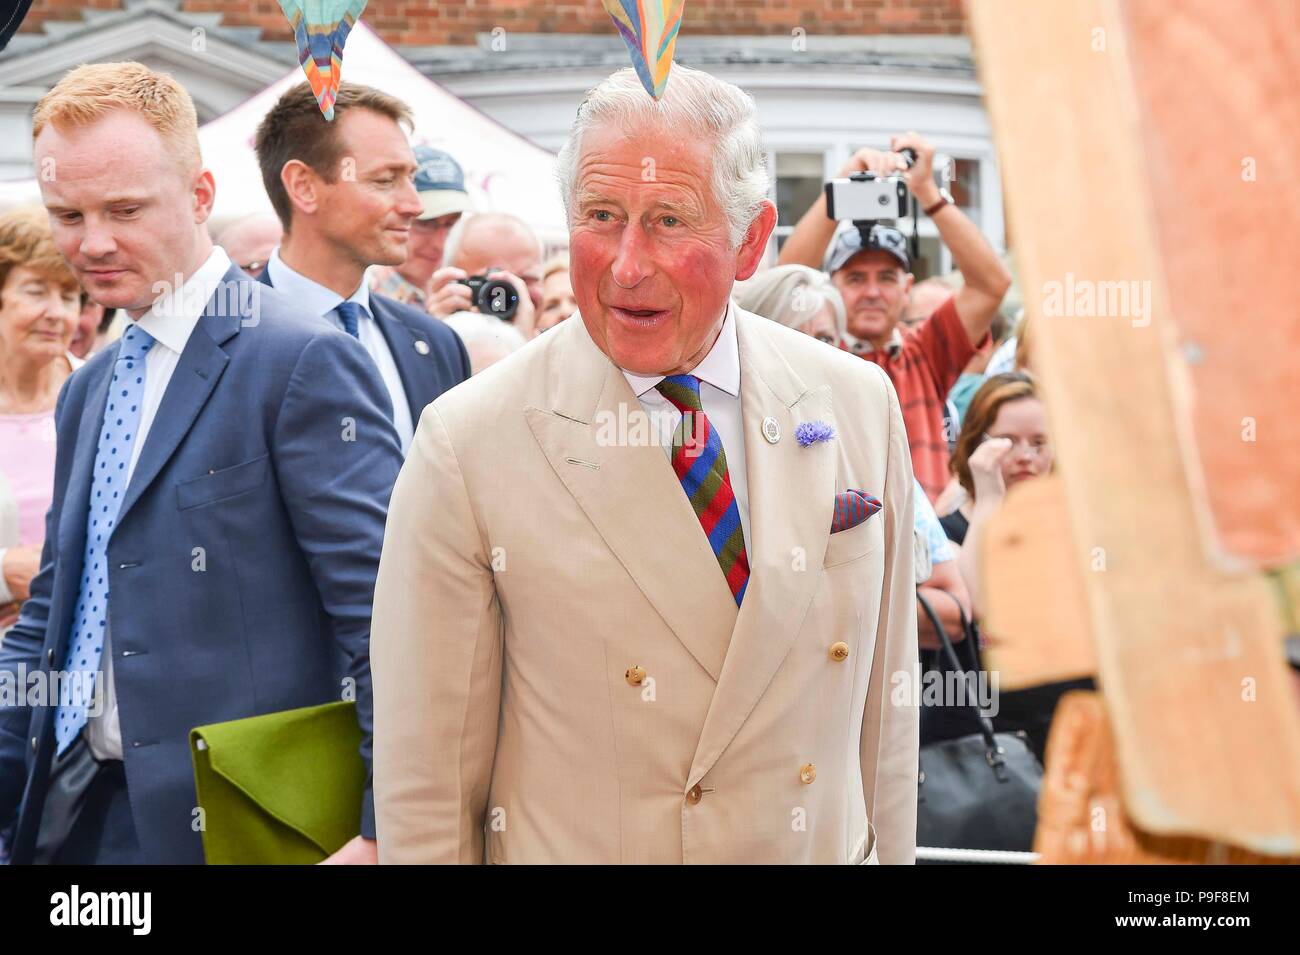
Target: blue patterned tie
x: 107, y: 488
x: 351, y: 313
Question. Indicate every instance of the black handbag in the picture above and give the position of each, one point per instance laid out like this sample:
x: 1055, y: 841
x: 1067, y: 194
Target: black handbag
x: 978, y: 791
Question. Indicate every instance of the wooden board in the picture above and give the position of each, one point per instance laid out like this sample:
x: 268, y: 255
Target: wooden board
x: 1216, y: 97
x: 1081, y: 817
x: 1036, y: 624
x: 1190, y: 657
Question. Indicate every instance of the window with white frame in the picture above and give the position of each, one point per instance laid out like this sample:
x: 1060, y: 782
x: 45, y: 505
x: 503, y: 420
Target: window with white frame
x: 799, y: 177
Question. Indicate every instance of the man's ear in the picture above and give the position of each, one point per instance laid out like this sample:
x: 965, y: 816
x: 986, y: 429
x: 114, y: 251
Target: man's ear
x: 302, y: 185
x: 752, y: 247
x: 205, y: 194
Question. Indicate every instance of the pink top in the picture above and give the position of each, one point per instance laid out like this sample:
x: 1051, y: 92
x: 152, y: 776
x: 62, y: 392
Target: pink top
x: 27, y: 457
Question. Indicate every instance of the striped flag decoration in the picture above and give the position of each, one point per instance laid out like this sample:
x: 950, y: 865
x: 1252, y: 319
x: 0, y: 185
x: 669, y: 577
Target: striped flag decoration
x: 320, y: 28
x: 649, y: 28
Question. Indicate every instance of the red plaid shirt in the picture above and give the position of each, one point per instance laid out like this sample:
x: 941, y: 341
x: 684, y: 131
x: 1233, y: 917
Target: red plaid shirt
x: 923, y: 369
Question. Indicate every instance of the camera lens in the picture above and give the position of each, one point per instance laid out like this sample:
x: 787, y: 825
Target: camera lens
x: 498, y: 297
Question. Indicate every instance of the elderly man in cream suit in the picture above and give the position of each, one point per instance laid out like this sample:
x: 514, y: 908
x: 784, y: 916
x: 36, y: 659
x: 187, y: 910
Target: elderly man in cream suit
x: 646, y: 582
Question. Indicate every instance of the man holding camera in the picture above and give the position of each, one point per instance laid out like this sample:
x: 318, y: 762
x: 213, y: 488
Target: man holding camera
x: 870, y: 267
x: 490, y: 247
x: 345, y: 192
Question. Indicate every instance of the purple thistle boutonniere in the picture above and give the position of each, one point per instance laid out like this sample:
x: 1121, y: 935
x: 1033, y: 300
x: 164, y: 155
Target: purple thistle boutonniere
x: 810, y: 432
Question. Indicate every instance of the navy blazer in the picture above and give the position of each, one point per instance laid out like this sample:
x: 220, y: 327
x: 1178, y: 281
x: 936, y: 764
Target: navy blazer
x: 430, y: 357
x: 242, y: 568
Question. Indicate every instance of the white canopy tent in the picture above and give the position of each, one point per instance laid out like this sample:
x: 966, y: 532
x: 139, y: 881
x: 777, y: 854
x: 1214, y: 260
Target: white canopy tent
x: 504, y: 172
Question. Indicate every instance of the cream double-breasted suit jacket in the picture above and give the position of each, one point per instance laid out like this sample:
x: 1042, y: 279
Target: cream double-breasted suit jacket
x: 531, y: 566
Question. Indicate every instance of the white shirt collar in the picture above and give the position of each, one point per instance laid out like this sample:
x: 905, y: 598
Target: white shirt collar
x: 861, y: 346
x: 720, y: 367
x: 172, y: 318
x: 309, y: 293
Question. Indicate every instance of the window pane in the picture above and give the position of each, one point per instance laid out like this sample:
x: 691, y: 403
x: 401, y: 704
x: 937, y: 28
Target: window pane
x: 798, y: 184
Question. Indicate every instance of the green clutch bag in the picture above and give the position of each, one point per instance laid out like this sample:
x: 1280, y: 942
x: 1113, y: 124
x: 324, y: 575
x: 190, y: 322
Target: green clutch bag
x: 284, y: 788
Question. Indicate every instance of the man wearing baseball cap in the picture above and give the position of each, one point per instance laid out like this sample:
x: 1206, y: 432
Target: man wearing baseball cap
x: 440, y: 183
x: 871, y: 269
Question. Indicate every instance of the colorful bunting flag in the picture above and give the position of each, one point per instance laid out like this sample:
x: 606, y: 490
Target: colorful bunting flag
x: 649, y: 28
x: 320, y: 28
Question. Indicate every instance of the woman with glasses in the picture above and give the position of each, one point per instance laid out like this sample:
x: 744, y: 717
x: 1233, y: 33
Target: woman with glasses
x: 798, y: 297
x: 1003, y: 441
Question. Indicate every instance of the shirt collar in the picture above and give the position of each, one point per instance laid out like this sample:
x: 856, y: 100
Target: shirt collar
x: 720, y: 367
x: 172, y: 318
x: 310, y: 294
x: 860, y: 346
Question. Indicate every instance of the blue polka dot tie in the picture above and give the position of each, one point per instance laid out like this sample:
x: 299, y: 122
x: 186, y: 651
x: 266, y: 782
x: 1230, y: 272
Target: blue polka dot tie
x: 107, y: 489
x: 352, y: 313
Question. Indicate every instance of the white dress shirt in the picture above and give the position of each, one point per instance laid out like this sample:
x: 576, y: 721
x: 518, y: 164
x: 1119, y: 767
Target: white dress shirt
x: 170, y: 322
x: 719, y: 374
x: 319, y: 300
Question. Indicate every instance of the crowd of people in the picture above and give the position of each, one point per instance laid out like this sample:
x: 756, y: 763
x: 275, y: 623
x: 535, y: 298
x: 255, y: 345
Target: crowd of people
x: 975, y: 423
x: 386, y: 256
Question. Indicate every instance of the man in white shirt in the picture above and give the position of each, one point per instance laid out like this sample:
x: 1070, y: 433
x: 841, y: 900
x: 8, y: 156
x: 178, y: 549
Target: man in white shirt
x: 345, y: 193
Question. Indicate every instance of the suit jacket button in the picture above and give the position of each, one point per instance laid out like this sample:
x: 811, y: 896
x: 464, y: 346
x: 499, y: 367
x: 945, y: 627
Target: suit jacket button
x: 839, y: 651
x: 695, y: 794
x: 808, y: 773
x: 49, y: 656
x: 635, y: 675
x: 34, y: 748
x: 421, y: 347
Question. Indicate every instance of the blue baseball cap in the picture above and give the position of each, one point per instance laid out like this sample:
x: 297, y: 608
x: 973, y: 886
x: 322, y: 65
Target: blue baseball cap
x: 849, y: 240
x: 440, y: 182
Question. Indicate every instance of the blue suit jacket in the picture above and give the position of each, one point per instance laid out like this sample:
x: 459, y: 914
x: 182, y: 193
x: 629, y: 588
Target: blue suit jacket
x: 243, y: 565
x: 425, y: 372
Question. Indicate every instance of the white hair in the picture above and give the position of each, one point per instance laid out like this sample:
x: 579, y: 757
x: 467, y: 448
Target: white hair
x: 487, y: 339
x: 694, y: 105
x: 473, y: 221
x: 791, y: 295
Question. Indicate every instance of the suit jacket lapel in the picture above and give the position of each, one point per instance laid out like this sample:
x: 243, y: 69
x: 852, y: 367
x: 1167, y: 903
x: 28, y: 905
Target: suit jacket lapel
x: 413, y: 367
x: 631, y: 495
x: 791, y: 500
x: 196, y: 375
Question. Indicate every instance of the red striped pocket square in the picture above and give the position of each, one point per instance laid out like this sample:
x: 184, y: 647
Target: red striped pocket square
x: 852, y: 507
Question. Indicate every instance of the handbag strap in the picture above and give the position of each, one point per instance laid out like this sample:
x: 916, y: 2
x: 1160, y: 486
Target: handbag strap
x: 985, y: 724
x: 968, y: 628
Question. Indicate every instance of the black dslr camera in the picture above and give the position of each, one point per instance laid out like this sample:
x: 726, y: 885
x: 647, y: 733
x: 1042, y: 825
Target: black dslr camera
x: 492, y: 296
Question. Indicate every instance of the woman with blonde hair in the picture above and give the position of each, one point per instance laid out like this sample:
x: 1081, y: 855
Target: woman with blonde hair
x: 558, y: 302
x: 798, y: 297
x: 40, y: 303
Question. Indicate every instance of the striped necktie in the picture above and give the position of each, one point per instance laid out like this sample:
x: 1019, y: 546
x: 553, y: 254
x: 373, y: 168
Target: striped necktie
x: 701, y: 466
